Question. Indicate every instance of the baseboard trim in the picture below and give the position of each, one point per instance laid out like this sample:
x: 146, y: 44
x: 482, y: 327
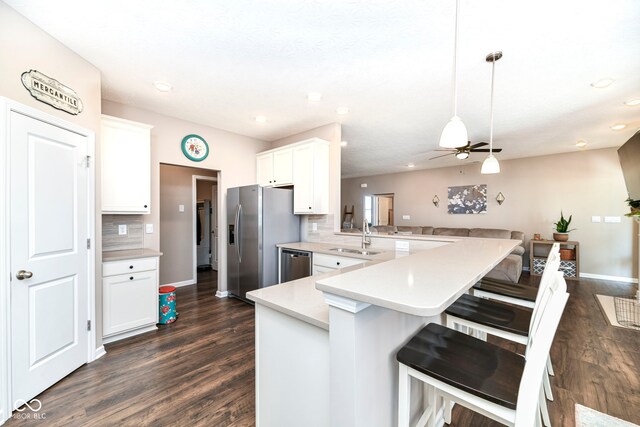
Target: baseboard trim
x: 610, y: 278
x: 222, y: 294
x: 181, y: 284
x: 127, y: 334
x: 100, y: 351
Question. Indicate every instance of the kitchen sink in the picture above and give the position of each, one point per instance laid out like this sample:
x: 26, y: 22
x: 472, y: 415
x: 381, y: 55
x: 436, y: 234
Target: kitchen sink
x: 354, y: 251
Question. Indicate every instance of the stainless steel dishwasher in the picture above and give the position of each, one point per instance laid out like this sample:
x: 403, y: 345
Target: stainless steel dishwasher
x: 294, y: 265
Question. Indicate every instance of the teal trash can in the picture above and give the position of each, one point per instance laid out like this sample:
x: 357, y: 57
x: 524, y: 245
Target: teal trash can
x: 167, y: 304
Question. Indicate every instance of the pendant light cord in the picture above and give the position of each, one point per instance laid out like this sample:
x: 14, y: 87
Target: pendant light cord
x: 455, y: 60
x: 493, y: 74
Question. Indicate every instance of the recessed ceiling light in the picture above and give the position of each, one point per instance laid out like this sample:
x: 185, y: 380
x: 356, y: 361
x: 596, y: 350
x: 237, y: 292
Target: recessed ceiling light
x: 314, y: 96
x: 261, y: 119
x: 342, y: 110
x: 162, y: 86
x: 618, y: 126
x: 411, y: 165
x: 633, y: 102
x: 581, y: 143
x: 602, y: 83
x: 343, y: 143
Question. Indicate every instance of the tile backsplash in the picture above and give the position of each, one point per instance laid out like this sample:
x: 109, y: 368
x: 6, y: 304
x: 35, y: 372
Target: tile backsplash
x: 112, y: 241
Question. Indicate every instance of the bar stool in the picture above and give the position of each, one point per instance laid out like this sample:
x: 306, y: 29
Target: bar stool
x: 506, y: 321
x: 524, y: 295
x: 479, y: 375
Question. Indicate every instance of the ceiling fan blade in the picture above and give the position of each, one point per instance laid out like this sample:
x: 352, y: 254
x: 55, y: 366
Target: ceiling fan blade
x: 486, y: 150
x: 451, y: 150
x: 437, y: 157
x: 479, y: 144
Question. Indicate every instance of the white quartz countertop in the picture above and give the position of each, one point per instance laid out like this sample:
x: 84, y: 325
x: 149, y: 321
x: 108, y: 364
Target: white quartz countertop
x: 424, y: 283
x: 129, y: 254
x: 325, y: 248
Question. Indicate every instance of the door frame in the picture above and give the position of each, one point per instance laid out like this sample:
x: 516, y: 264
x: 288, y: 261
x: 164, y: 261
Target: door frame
x: 194, y: 201
x: 7, y: 106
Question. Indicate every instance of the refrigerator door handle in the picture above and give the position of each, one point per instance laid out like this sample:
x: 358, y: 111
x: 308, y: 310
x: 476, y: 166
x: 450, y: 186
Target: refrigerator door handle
x: 239, y: 231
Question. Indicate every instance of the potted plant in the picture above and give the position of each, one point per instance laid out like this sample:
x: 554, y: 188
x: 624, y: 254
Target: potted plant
x: 634, y: 205
x: 562, y: 228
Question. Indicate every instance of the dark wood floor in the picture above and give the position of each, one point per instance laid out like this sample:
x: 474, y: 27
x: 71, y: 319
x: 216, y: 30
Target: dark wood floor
x: 199, y: 371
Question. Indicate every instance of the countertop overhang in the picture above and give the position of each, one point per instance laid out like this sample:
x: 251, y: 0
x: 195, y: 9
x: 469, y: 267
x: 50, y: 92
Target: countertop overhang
x: 424, y: 283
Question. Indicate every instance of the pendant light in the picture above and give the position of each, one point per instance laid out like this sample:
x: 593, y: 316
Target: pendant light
x: 454, y: 134
x: 490, y: 164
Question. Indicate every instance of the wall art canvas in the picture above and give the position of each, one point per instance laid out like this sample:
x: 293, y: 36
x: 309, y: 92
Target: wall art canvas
x: 468, y: 199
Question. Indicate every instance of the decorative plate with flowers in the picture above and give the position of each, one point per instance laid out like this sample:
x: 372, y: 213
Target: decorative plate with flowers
x: 195, y: 148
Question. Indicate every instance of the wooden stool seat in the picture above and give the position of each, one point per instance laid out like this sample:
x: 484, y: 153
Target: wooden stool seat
x: 498, y: 287
x: 495, y: 314
x: 467, y: 363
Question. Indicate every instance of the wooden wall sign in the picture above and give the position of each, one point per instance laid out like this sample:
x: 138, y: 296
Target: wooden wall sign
x: 52, y: 92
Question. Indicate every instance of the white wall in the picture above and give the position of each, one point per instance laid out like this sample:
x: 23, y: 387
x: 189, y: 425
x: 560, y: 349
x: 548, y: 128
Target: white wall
x: 231, y: 154
x: 582, y: 184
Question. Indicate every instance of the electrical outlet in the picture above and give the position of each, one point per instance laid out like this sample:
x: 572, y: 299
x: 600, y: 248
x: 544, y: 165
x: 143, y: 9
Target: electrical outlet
x: 148, y: 228
x: 122, y: 229
x: 612, y: 219
x: 402, y: 246
x: 406, y: 216
x: 180, y: 208
x: 314, y: 226
x: 595, y: 219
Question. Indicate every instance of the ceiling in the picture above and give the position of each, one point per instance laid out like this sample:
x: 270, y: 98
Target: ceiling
x: 389, y: 62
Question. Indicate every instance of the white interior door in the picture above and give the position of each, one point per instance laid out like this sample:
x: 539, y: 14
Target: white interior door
x: 48, y: 218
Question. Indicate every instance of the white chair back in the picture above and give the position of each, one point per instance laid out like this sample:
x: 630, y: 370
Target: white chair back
x: 537, y: 355
x: 548, y: 277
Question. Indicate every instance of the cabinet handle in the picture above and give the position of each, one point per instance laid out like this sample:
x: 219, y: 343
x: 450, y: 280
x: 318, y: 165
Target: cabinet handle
x: 145, y: 206
x: 338, y: 263
x: 131, y: 278
x: 309, y: 207
x: 131, y: 267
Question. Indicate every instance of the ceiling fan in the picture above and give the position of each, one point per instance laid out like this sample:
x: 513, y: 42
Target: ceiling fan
x: 463, y: 152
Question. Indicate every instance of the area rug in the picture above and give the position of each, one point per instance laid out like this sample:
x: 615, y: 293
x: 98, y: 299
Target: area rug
x: 608, y: 309
x: 587, y: 417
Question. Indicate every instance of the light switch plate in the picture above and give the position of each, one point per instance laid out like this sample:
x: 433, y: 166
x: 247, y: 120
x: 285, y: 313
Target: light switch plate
x: 363, y: 185
x: 122, y: 229
x: 148, y: 228
x: 595, y: 219
x: 180, y: 208
x: 406, y: 216
x: 402, y: 246
x: 612, y: 219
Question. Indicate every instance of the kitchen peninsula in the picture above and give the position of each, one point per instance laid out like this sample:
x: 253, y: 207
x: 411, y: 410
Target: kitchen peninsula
x: 326, y: 344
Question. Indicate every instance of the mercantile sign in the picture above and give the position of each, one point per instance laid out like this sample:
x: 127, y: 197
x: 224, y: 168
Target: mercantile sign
x: 50, y: 91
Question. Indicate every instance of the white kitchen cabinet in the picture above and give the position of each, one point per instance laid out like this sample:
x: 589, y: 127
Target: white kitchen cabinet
x: 129, y: 297
x: 323, y: 262
x: 311, y: 177
x: 126, y: 166
x: 275, y: 167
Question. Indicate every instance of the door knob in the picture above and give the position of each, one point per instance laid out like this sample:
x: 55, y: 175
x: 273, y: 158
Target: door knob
x: 23, y: 274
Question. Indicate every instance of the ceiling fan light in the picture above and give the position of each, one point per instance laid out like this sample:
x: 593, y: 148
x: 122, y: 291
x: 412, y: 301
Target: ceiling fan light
x: 490, y: 165
x: 454, y: 134
x: 462, y: 155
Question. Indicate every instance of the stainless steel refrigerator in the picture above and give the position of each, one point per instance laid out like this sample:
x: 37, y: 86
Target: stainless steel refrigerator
x: 258, y: 218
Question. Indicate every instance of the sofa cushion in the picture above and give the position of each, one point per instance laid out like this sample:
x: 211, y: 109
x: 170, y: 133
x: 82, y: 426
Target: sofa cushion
x: 409, y: 229
x: 445, y: 231
x: 384, y: 228
x: 508, y: 269
x: 427, y: 230
x: 518, y: 235
x: 518, y: 250
x: 491, y: 233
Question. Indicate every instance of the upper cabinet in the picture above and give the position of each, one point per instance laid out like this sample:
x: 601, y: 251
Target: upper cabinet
x: 126, y: 166
x: 275, y: 167
x: 311, y: 177
x: 305, y: 165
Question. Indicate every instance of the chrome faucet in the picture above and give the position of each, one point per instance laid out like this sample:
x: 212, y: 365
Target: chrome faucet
x: 366, y: 235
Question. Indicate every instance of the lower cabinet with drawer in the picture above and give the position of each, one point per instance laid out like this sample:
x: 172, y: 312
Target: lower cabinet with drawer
x: 323, y: 262
x: 129, y: 297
